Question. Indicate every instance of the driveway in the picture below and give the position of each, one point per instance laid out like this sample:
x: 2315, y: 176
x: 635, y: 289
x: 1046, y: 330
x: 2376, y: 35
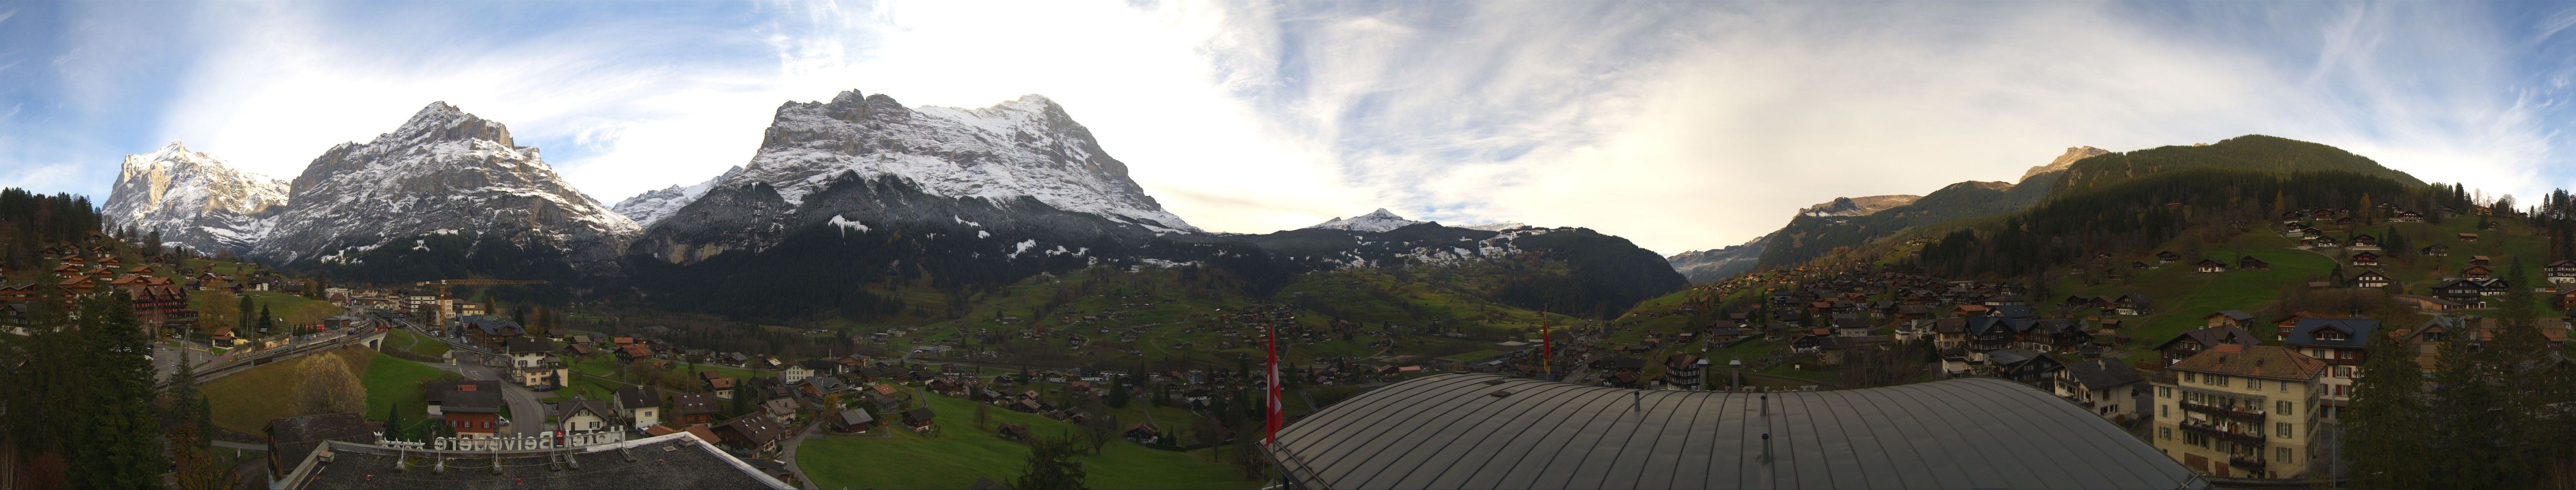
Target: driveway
x: 527, y: 415
x: 811, y: 431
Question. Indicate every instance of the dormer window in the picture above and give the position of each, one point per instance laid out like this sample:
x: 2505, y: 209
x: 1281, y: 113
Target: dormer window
x: 2330, y: 334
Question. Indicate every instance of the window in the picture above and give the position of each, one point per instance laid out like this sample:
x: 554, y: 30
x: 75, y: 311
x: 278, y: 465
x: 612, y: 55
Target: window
x: 2253, y: 384
x: 2164, y: 392
x: 2283, y: 429
x: 2284, y: 408
x: 2166, y: 432
x: 2343, y: 371
x: 2216, y: 380
x: 2284, y: 454
x: 2164, y: 411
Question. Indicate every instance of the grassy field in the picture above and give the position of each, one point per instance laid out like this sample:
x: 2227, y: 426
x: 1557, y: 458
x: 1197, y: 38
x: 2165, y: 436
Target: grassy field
x: 961, y: 453
x: 245, y: 401
x: 394, y: 382
x: 405, y: 340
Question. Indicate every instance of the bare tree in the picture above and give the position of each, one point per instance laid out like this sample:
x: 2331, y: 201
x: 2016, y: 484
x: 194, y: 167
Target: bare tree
x: 329, y: 385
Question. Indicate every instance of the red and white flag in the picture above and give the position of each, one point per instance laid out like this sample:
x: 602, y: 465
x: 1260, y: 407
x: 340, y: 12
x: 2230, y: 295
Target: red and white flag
x: 1271, y: 434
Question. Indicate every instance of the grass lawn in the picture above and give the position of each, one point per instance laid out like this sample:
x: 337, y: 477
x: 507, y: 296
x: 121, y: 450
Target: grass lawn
x: 405, y: 340
x: 394, y: 382
x: 245, y: 401
x: 291, y: 309
x: 1473, y: 356
x: 961, y: 453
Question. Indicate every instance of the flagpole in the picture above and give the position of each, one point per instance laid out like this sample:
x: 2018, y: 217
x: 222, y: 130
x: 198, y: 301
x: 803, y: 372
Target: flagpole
x: 1271, y: 422
x: 1547, y: 347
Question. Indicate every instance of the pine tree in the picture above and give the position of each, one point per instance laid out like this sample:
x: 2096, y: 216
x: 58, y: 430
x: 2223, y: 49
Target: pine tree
x: 2469, y: 421
x: 242, y: 321
x: 122, y: 448
x: 393, y: 423
x: 2386, y: 429
x: 1051, y: 465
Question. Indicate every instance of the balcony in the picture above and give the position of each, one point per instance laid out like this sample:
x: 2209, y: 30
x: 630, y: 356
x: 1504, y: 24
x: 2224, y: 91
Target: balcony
x: 2228, y: 411
x: 2204, y: 428
x: 2248, y: 463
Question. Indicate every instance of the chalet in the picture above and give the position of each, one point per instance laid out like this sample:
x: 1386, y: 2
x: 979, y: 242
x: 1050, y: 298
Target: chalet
x: 852, y: 421
x: 695, y: 408
x: 1950, y: 333
x: 631, y: 352
x: 2567, y: 300
x: 2436, y: 250
x: 471, y: 413
x: 2493, y: 286
x: 2365, y: 259
x: 10, y: 292
x: 2560, y: 272
x: 2140, y: 265
x: 2481, y: 261
x: 782, y: 410
x: 2134, y: 304
x: 2228, y: 318
x: 581, y: 415
x: 717, y: 383
x: 755, y: 433
x: 1014, y: 432
x: 78, y: 285
x: 1144, y: 433
x: 2365, y: 241
x: 2462, y: 291
x: 2193, y: 342
x: 2023, y: 365
x: 534, y: 359
x: 1970, y: 310
x: 2076, y: 301
x: 2211, y: 266
x: 2476, y: 272
x: 918, y: 418
x: 2167, y: 257
x: 639, y: 405
x: 2325, y: 242
x: 2252, y: 264
x: 435, y: 392
x: 2369, y: 280
x: 2469, y: 237
x: 2407, y: 217
x: 491, y: 332
x: 2109, y: 389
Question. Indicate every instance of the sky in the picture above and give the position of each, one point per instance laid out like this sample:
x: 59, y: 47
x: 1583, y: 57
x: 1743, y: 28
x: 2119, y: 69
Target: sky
x: 1681, y: 126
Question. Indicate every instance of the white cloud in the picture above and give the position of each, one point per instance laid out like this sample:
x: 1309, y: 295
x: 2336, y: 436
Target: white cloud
x: 1681, y: 126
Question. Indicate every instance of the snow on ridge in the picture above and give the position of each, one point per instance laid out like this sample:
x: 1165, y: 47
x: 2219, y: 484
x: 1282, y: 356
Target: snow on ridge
x: 654, y: 205
x: 194, y: 199
x: 1374, y: 222
x: 846, y: 225
x: 1000, y: 153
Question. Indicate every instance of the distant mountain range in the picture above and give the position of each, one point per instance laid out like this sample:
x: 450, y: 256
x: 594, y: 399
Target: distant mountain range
x: 843, y: 193
x: 1818, y: 230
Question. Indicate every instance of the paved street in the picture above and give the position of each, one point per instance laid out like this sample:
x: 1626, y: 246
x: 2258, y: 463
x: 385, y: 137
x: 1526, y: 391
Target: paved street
x: 527, y: 415
x: 788, y: 455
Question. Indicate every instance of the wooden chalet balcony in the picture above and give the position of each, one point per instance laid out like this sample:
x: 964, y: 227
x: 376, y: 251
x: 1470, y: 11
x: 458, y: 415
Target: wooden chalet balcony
x: 2228, y: 412
x: 2249, y: 463
x: 2215, y: 431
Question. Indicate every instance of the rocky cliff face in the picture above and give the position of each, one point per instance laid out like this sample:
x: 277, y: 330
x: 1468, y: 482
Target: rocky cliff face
x: 194, y: 200
x: 1023, y: 165
x: 2064, y: 160
x: 444, y: 172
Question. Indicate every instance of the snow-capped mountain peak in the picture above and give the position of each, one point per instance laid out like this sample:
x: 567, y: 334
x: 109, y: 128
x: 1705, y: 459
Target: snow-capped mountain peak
x: 443, y: 171
x: 1028, y: 147
x: 654, y: 205
x: 193, y: 199
x: 1377, y: 221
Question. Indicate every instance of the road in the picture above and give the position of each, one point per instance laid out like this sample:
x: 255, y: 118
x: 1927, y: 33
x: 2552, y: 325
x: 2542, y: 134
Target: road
x: 527, y: 414
x: 788, y: 455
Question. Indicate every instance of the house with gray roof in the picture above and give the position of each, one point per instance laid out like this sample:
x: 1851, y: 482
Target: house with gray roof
x: 2111, y: 389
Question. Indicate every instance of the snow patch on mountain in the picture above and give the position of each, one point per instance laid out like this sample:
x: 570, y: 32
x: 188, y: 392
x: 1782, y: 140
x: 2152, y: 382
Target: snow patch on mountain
x: 652, y: 206
x: 1027, y: 147
x: 1502, y: 226
x: 193, y: 199
x: 1374, y: 222
x: 846, y: 225
x: 443, y: 169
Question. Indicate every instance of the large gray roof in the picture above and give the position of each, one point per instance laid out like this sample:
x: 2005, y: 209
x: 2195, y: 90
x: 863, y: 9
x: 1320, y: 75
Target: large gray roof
x: 1452, y: 431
